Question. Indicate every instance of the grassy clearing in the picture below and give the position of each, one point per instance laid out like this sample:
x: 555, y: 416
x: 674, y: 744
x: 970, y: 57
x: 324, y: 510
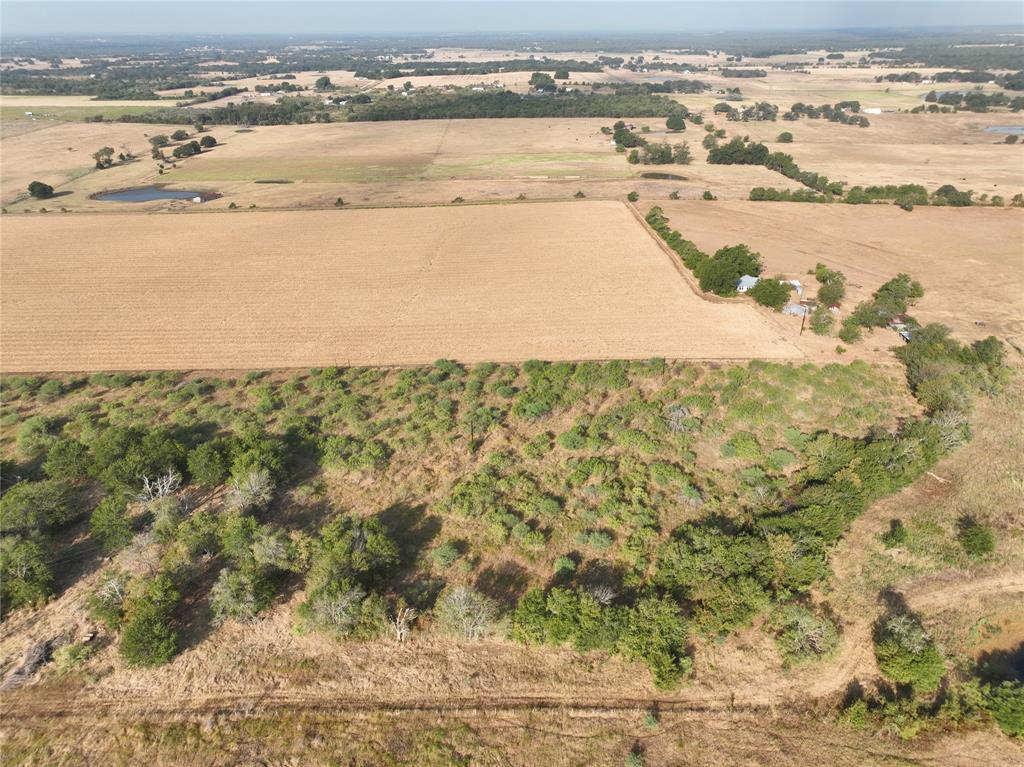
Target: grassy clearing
x: 43, y: 114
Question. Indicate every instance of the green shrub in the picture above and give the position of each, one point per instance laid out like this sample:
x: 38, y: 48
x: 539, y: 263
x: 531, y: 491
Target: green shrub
x: 109, y: 524
x: 446, y: 554
x: 656, y: 634
x: 70, y: 656
x: 896, y: 535
x: 907, y: 654
x: 148, y: 636
x: 353, y: 454
x: 240, y: 595
x: 976, y: 538
x: 208, y: 464
x: 565, y: 565
x: 1005, y: 703
x: 67, y: 459
x: 25, y: 575
x: 50, y: 390
x: 822, y: 320
x: 33, y: 506
x: 34, y: 435
x: 803, y: 636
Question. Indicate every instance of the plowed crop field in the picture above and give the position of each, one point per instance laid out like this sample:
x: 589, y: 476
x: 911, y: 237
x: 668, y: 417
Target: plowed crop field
x: 574, y: 280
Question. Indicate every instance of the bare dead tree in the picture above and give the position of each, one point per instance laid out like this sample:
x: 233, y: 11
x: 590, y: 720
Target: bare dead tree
x: 401, y: 622
x: 603, y: 594
x: 160, y: 486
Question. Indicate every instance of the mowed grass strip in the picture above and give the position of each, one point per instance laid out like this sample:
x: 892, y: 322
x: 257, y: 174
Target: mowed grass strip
x: 573, y: 280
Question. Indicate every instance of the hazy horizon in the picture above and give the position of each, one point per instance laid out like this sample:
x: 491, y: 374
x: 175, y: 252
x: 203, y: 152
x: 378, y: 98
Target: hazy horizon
x: 226, y: 18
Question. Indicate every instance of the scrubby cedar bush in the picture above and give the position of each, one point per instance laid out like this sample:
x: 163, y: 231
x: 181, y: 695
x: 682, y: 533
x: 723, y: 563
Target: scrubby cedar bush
x: 906, y: 654
x: 40, y: 191
x: 352, y: 453
x: 466, y: 613
x: 179, y: 135
x: 208, y: 463
x: 822, y: 320
x: 206, y: 142
x: 785, y: 137
x: 1004, y: 701
x: 25, y: 575
x: 656, y: 634
x: 67, y: 459
x: 240, y: 595
x: 187, y: 150
x: 122, y: 456
x: 976, y: 538
x: 772, y: 293
x: 32, y: 506
x: 833, y: 285
x: 676, y: 122
x: 148, y: 635
x: 350, y: 558
x: 803, y: 636
x: 34, y: 435
x: 109, y: 524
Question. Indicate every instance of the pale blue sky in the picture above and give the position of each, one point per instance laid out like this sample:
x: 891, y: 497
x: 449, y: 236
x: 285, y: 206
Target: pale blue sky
x: 242, y: 17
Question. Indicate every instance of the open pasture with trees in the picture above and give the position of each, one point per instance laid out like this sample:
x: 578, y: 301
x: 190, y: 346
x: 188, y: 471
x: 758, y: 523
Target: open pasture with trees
x: 60, y: 154
x: 822, y: 86
x: 582, y: 530
x: 570, y: 280
x: 968, y: 259
x: 380, y: 163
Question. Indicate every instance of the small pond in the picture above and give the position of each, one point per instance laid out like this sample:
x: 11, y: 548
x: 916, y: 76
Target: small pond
x: 1013, y: 130
x: 147, y: 193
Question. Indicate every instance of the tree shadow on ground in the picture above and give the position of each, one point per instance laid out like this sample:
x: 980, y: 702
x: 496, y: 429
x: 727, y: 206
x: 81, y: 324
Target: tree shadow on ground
x: 1002, y: 665
x: 504, y: 582
x: 193, y: 614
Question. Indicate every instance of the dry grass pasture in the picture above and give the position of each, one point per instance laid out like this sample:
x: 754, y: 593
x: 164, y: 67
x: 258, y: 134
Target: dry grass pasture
x: 382, y: 163
x: 969, y: 259
x: 60, y: 154
x: 822, y: 85
x: 900, y: 148
x: 574, y: 280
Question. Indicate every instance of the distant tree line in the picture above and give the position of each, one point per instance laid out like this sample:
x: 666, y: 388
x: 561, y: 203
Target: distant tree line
x: 470, y: 104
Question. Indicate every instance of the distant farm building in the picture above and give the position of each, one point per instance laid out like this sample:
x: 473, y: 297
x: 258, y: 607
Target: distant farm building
x: 746, y: 282
x: 796, y: 310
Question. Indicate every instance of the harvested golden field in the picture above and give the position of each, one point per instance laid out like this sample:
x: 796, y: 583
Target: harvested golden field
x: 579, y: 280
x: 969, y: 259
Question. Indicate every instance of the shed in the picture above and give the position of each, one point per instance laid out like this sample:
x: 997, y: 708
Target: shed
x: 746, y: 282
x: 796, y: 310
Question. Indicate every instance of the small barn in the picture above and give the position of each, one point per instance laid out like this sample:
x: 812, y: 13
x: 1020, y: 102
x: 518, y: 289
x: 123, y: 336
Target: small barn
x: 796, y: 310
